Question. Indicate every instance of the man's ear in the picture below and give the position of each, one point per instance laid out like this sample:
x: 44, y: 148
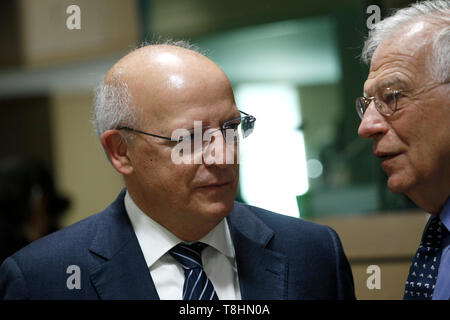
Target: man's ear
x: 117, y: 149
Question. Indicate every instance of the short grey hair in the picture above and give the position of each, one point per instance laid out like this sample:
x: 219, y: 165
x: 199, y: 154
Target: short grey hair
x: 112, y: 107
x: 112, y: 100
x: 439, y: 61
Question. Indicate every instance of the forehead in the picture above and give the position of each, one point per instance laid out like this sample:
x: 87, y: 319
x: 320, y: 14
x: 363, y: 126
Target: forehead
x: 401, y: 58
x: 172, y: 86
x: 208, y: 100
x: 210, y: 114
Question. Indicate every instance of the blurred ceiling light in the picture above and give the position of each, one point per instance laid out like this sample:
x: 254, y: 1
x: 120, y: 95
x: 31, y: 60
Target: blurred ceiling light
x: 303, y: 52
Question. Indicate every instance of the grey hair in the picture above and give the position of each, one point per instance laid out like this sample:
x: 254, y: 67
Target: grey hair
x: 170, y: 42
x: 112, y: 107
x: 439, y: 61
x: 112, y: 100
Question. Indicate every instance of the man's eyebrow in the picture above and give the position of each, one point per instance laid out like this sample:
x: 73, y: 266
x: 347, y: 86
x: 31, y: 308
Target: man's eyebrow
x: 386, y: 84
x: 190, y: 127
x: 389, y: 83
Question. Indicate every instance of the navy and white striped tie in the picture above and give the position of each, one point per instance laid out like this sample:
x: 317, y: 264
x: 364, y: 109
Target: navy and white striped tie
x: 197, y: 286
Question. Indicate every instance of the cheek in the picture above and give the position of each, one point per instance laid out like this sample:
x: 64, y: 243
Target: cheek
x: 426, y: 141
x: 410, y: 128
x: 161, y: 175
x: 176, y: 178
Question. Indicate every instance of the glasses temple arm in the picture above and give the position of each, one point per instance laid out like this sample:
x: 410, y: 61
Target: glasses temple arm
x: 142, y: 132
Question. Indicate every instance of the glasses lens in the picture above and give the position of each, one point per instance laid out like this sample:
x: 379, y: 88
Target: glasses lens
x: 248, y: 124
x: 360, y: 106
x: 384, y: 109
x: 387, y: 101
x: 234, y: 128
x: 230, y: 130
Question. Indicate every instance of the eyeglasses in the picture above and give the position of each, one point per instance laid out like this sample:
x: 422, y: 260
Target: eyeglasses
x: 244, y: 124
x: 385, y: 101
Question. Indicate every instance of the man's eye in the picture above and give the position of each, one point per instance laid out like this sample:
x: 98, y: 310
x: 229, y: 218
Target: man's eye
x: 389, y: 97
x: 232, y: 126
x: 186, y: 137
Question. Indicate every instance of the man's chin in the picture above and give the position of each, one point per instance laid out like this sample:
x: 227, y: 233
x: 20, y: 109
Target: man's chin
x: 216, y: 210
x: 396, y: 185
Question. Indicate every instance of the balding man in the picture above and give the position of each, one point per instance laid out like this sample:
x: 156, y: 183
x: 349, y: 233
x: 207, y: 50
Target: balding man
x: 406, y: 112
x: 169, y: 124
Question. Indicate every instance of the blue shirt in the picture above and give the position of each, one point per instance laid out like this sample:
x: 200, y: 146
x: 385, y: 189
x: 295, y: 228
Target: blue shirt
x: 442, y: 289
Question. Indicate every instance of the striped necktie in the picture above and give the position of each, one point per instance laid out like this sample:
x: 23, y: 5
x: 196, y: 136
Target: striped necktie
x: 424, y: 268
x: 197, y: 286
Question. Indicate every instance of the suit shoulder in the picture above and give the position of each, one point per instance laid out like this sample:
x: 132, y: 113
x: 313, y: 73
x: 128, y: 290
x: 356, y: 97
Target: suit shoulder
x: 293, y: 231
x: 69, y: 239
x: 277, y: 221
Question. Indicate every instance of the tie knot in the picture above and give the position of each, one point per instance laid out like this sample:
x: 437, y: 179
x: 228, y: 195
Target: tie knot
x: 188, y: 255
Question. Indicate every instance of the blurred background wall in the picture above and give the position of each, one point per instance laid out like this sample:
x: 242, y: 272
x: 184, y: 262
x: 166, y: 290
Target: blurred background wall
x: 293, y: 64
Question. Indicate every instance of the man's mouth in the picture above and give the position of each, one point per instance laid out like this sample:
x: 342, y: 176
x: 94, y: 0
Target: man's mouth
x: 385, y: 157
x: 216, y: 186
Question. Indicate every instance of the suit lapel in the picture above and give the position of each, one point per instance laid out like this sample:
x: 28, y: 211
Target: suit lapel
x: 262, y: 272
x: 123, y: 272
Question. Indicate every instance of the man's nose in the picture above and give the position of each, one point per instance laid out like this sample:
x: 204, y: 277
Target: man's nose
x: 373, y: 123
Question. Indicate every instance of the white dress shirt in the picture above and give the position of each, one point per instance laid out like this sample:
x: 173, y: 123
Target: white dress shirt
x: 218, y: 258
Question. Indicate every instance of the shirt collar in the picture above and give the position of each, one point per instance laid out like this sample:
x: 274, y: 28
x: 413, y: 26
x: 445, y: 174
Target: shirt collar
x: 220, y: 239
x: 445, y: 214
x: 155, y: 240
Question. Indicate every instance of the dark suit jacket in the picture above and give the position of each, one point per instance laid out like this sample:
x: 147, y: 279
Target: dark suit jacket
x: 277, y: 257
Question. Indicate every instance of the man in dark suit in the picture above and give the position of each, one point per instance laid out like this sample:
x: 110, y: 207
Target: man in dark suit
x: 405, y: 110
x: 169, y: 124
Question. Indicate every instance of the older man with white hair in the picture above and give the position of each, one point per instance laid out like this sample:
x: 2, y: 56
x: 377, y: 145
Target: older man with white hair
x: 405, y: 110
